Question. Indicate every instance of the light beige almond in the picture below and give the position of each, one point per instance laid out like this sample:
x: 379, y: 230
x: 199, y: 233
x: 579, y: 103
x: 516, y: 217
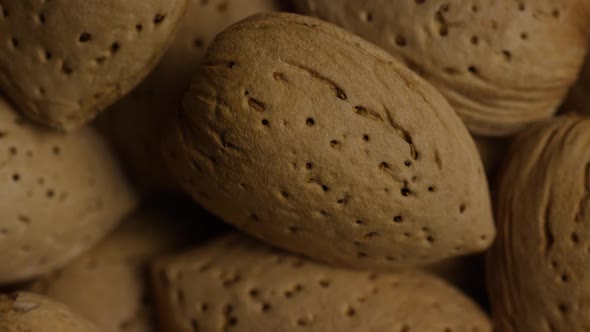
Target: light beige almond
x: 63, y: 61
x: 134, y: 124
x: 501, y: 64
x: 314, y: 140
x: 28, y: 312
x: 537, y: 269
x: 59, y: 195
x: 237, y: 284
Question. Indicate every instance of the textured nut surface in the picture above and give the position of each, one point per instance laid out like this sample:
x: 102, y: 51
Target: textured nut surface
x: 28, y: 312
x: 154, y: 100
x: 63, y: 61
x: 107, y: 285
x: 325, y: 145
x: 59, y: 195
x: 234, y: 283
x: 537, y: 269
x: 500, y: 64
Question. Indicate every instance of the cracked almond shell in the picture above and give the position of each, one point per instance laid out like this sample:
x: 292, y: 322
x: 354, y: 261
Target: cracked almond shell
x: 64, y: 61
x: 234, y: 283
x: 20, y: 312
x: 308, y: 137
x: 501, y: 64
x: 537, y: 269
x: 59, y: 195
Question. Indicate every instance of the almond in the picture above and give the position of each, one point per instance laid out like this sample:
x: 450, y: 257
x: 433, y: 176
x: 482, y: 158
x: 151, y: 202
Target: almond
x: 343, y: 155
x: 501, y: 64
x: 60, y: 195
x: 235, y: 283
x: 537, y: 269
x: 63, y: 61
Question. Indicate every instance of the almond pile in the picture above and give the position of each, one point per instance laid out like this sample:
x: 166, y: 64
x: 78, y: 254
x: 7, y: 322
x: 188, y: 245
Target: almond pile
x: 294, y: 165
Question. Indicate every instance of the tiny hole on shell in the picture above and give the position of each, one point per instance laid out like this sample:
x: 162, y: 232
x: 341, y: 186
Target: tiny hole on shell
x: 310, y: 122
x: 84, y: 37
x: 159, y: 18
x: 398, y: 219
x: 401, y: 41
x: 115, y: 47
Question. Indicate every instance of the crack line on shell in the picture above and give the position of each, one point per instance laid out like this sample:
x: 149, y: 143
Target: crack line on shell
x: 583, y: 202
x: 548, y: 237
x: 360, y: 110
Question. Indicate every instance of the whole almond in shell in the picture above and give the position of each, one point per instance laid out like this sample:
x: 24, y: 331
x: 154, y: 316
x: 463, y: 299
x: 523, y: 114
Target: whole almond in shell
x: 538, y: 267
x: 63, y: 61
x: 316, y: 141
x: 237, y: 284
x: 60, y: 194
x: 501, y: 64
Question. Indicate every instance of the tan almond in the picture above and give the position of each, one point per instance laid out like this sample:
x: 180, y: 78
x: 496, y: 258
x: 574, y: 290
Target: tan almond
x: 63, y: 61
x: 237, y: 284
x: 343, y: 155
x: 537, y: 269
x: 60, y: 194
x: 501, y: 64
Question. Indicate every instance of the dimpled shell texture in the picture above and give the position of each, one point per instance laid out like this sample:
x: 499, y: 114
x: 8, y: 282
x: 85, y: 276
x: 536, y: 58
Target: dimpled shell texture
x: 160, y: 95
x: 28, y: 312
x: 108, y: 285
x: 500, y: 64
x: 59, y: 194
x: 63, y: 61
x: 537, y: 269
x: 237, y: 284
x: 327, y: 146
